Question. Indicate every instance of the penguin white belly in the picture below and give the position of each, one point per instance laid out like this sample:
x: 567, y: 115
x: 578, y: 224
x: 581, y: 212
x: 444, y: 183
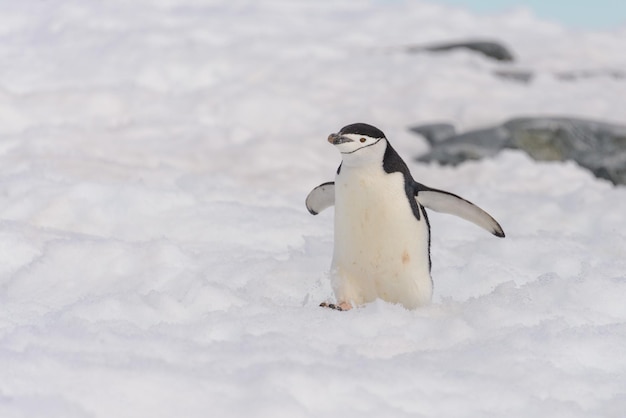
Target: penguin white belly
x: 381, y: 249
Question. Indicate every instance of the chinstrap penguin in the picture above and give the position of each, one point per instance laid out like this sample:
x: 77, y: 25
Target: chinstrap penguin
x: 382, y: 234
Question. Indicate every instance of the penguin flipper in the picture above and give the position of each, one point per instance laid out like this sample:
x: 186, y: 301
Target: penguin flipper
x: 446, y: 202
x: 320, y: 198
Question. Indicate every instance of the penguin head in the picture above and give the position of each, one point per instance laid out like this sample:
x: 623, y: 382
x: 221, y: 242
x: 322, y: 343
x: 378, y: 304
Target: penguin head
x: 360, y: 144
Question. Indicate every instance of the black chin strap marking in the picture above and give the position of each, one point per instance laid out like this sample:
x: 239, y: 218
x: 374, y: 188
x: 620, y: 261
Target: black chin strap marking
x: 359, y: 149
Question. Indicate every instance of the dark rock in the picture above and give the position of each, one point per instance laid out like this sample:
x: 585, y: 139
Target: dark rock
x: 597, y: 146
x: 526, y: 76
x: 490, y: 49
x: 585, y: 74
x: 435, y: 132
x: 472, y: 145
x: 521, y: 76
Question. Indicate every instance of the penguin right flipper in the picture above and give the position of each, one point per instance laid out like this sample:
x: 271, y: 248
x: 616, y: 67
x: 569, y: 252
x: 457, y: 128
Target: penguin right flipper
x: 446, y: 202
x: 320, y: 198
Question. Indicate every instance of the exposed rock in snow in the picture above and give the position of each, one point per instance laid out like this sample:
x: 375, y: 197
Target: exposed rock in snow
x: 597, y: 146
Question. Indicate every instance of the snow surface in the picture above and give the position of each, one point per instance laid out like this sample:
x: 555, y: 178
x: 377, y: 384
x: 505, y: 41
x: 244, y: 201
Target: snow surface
x: 157, y: 260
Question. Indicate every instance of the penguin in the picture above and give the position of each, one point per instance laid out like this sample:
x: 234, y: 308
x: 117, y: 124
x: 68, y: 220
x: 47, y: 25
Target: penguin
x: 381, y: 228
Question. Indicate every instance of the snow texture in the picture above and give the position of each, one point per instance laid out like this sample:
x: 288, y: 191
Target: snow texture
x: 157, y: 259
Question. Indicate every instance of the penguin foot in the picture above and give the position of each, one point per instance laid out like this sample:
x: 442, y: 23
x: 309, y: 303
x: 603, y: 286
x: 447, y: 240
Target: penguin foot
x: 331, y: 306
x: 343, y: 306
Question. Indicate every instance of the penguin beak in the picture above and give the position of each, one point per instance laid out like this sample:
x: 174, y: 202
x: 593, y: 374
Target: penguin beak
x: 337, y: 139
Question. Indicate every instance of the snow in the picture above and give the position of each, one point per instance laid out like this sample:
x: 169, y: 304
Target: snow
x: 157, y: 260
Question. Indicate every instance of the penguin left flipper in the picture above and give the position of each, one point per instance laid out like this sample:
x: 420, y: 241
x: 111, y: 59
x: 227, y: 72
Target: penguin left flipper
x: 446, y: 202
x: 320, y: 198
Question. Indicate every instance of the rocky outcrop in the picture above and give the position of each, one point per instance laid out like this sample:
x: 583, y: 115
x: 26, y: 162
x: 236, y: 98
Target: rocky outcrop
x: 498, y: 51
x: 597, y: 146
x: 491, y: 49
x: 526, y: 76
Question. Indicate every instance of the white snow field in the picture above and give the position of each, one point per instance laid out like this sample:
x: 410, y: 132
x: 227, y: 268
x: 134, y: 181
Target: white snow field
x: 157, y: 259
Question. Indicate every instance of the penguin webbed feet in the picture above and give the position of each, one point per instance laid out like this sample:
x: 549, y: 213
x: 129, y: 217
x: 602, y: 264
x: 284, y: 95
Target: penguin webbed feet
x: 331, y: 306
x: 343, y: 306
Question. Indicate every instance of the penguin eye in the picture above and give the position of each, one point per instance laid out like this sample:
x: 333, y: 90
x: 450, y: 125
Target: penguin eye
x: 362, y: 139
